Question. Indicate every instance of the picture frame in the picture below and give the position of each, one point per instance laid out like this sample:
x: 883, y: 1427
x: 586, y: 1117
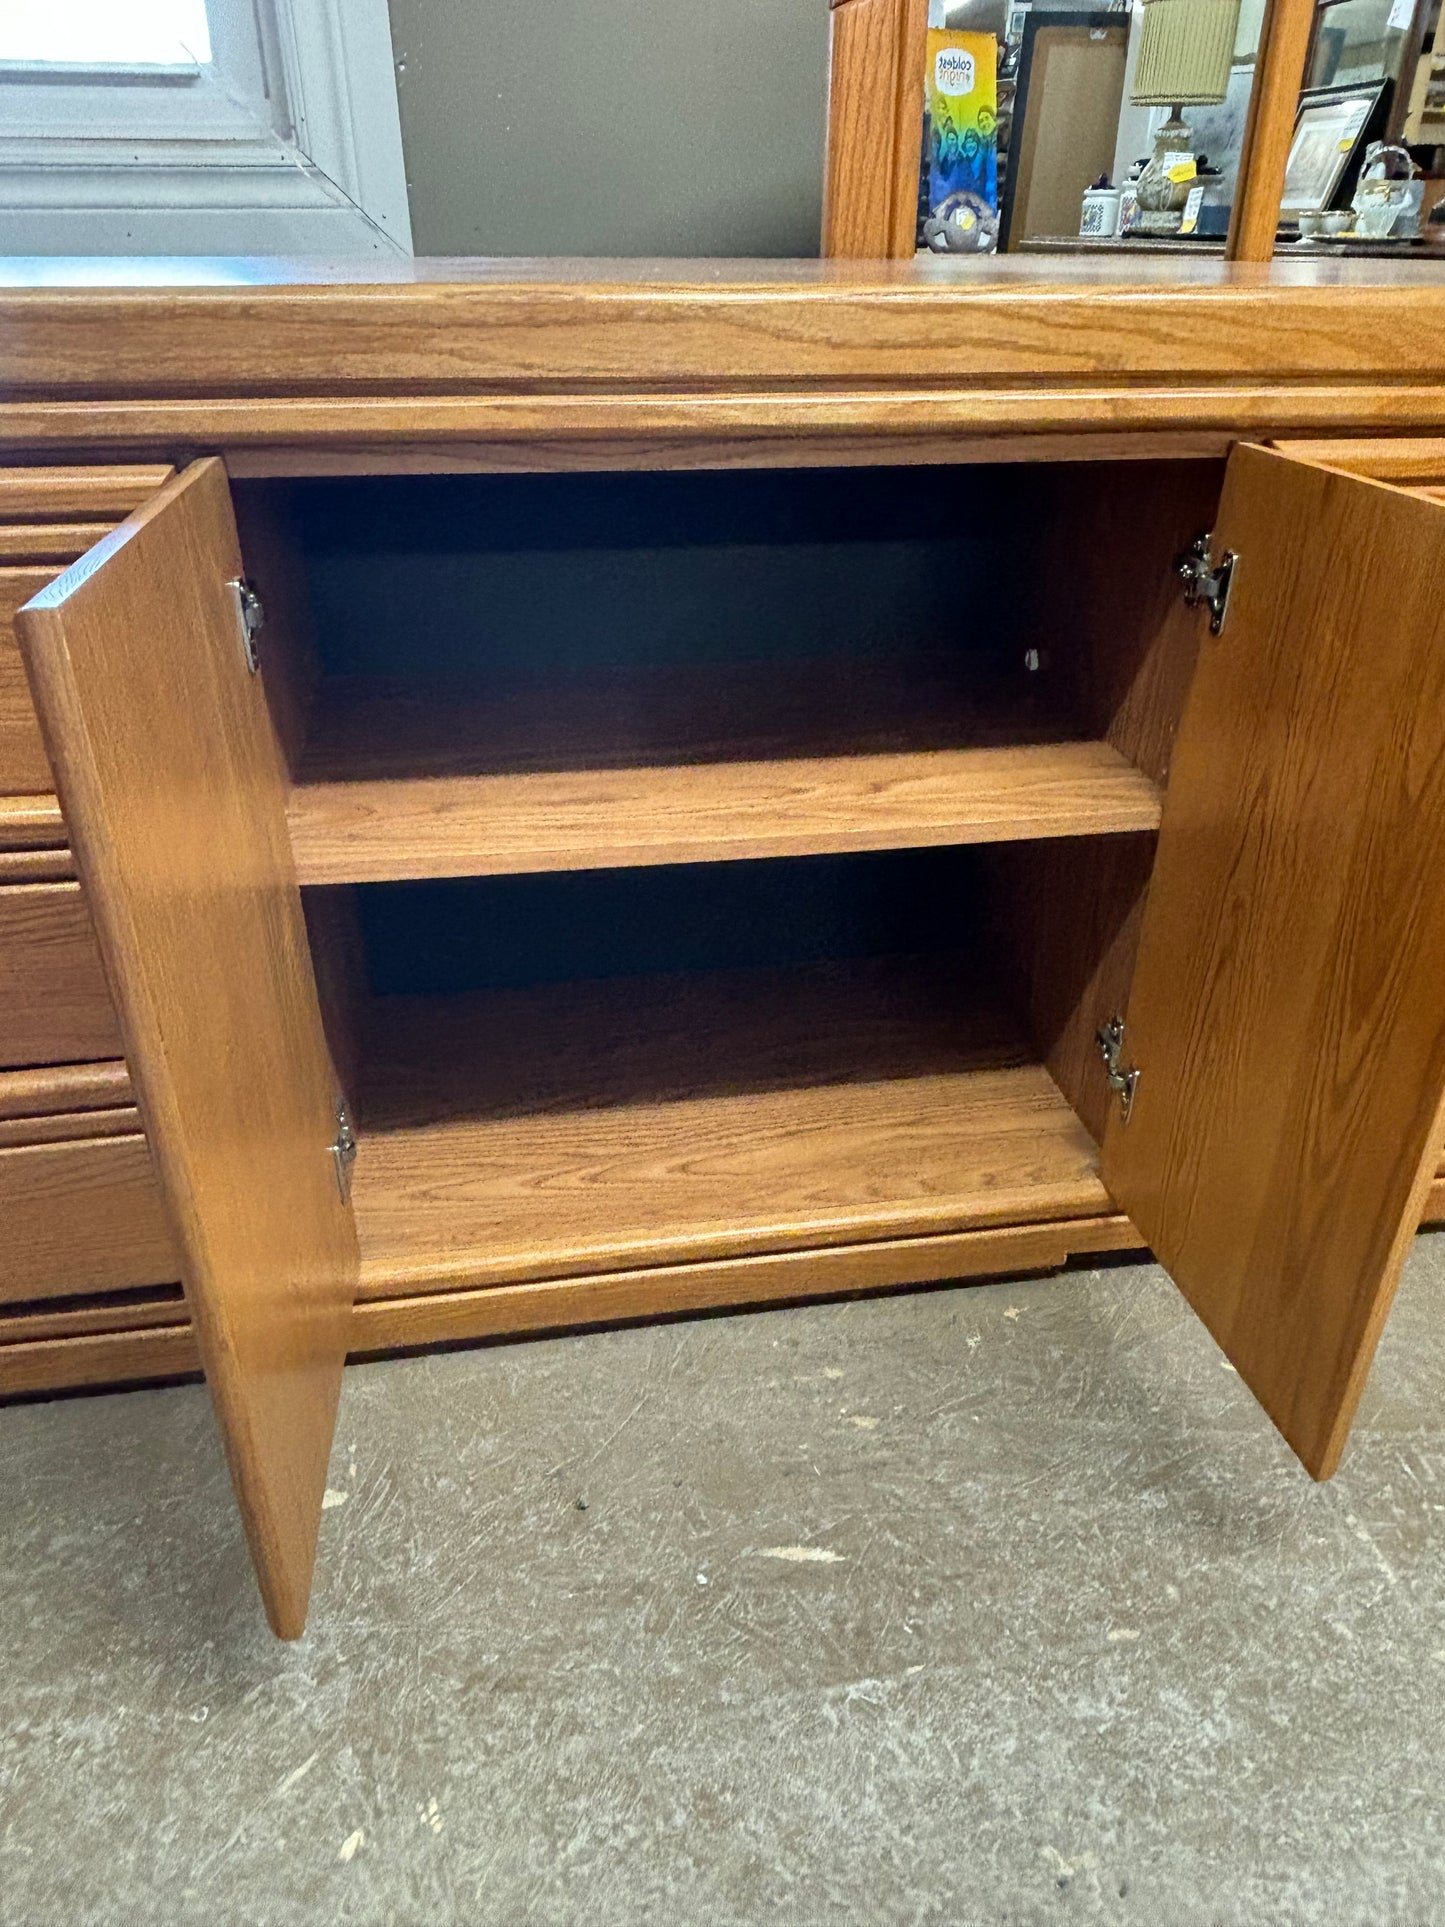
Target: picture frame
x: 1329, y: 130
x: 1102, y: 24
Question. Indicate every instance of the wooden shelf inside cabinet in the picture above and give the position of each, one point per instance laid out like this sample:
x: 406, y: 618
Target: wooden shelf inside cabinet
x: 586, y: 1127
x: 669, y: 766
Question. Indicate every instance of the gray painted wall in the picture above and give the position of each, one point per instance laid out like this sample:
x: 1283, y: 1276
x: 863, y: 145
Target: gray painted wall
x: 668, y: 127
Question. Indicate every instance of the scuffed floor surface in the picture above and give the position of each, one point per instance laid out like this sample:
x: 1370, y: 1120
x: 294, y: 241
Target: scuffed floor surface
x: 997, y: 1604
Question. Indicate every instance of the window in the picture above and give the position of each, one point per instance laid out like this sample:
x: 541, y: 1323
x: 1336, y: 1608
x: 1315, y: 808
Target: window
x: 122, y: 33
x: 199, y: 127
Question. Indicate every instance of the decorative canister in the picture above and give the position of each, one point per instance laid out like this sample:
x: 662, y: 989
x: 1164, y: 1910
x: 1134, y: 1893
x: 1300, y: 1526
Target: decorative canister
x: 1100, y: 214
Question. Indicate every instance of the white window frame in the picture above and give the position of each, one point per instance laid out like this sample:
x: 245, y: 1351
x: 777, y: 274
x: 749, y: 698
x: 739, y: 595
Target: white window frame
x: 288, y: 142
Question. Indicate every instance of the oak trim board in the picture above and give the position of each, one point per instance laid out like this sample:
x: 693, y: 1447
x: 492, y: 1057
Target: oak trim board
x: 664, y: 425
x: 1279, y: 72
x: 166, y: 1349
x: 65, y: 1087
x: 838, y: 449
x: 68, y: 1126
x: 32, y: 822
x: 99, y: 494
x: 875, y: 122
x: 104, y: 1346
x: 36, y: 866
x: 102, y: 1314
x: 524, y: 329
x: 55, y: 543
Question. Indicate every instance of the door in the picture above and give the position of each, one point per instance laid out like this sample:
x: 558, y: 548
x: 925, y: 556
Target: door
x: 174, y: 794
x: 1287, y: 1014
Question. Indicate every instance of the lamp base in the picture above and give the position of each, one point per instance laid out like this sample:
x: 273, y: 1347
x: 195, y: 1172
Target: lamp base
x: 1158, y: 194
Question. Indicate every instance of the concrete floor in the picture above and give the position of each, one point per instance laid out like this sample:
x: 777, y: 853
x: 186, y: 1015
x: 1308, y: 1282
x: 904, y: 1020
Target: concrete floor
x: 989, y: 1605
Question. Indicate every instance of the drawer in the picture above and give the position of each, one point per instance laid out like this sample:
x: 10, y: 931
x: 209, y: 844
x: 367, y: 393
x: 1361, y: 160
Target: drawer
x: 48, y: 517
x: 54, y: 1004
x: 24, y: 766
x: 81, y: 1217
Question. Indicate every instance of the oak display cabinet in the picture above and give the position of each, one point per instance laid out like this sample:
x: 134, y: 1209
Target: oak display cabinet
x: 540, y: 899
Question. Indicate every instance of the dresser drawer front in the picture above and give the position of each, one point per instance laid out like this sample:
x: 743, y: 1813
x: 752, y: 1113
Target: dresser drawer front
x: 24, y: 767
x: 54, y: 1004
x: 83, y: 1217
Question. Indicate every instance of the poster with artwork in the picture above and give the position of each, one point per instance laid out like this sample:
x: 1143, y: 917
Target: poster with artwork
x: 963, y: 120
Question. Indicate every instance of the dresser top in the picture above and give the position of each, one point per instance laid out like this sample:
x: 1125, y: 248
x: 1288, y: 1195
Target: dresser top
x: 709, y: 359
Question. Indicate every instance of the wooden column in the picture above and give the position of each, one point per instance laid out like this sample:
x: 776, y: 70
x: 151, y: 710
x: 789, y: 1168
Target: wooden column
x: 1284, y: 44
x: 875, y: 127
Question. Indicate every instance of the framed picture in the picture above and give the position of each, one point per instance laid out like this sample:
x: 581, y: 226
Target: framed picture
x: 1065, y: 119
x: 1328, y: 131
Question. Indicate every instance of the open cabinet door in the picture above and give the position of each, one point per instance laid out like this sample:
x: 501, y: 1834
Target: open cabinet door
x: 174, y: 793
x: 1287, y: 1014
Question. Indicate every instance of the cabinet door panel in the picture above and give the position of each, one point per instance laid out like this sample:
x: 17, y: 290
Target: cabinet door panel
x: 1287, y: 1014
x: 175, y: 797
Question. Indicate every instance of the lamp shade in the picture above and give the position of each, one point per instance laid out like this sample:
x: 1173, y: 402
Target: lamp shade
x: 1186, y: 48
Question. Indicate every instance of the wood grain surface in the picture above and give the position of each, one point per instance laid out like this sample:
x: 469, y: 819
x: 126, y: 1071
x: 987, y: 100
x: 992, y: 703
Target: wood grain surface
x: 875, y: 119
x: 102, y: 493
x: 1288, y: 1007
x: 173, y: 788
x: 56, y: 543
x: 1408, y: 460
x: 516, y: 328
x: 31, y: 822
x: 351, y: 832
x: 23, y: 765
x: 64, y: 1087
x: 868, y: 422
x: 142, y: 1337
x: 120, y: 1311
x: 588, y: 1127
x: 1279, y: 74
x: 644, y: 361
x: 55, y: 1006
x: 81, y: 1217
x: 34, y: 542
x: 837, y: 448
x: 36, y: 866
x: 65, y: 1126
x: 51, y: 1351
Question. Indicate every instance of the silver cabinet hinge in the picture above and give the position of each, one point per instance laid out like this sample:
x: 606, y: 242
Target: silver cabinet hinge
x: 1207, y: 581
x: 250, y: 618
x: 343, y: 1151
x: 1123, y: 1081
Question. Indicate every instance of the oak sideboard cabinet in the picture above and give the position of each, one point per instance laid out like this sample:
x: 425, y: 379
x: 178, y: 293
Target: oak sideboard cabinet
x: 581, y: 799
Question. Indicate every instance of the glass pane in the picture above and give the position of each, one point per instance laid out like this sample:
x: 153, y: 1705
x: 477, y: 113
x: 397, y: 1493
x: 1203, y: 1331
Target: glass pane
x: 1358, y: 40
x: 106, y: 32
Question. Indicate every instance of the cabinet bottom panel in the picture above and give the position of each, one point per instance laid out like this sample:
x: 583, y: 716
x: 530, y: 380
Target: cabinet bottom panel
x: 512, y: 1137
x: 144, y: 1336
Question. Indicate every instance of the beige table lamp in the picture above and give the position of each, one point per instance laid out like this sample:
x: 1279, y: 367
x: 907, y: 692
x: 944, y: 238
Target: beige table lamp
x: 1186, y: 49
